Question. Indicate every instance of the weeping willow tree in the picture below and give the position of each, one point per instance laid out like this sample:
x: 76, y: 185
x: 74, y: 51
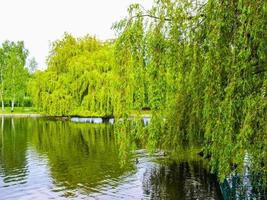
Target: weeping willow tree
x: 80, y: 78
x: 201, y: 68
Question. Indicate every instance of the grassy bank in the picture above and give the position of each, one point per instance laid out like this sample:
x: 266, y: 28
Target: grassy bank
x: 19, y: 110
x: 33, y: 110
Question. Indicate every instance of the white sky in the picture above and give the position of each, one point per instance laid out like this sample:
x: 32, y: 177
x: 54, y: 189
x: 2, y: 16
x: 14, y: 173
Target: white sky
x: 39, y: 22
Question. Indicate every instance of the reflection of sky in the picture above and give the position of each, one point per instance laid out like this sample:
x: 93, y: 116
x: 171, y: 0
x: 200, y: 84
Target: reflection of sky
x: 39, y: 184
x: 130, y: 185
x: 35, y: 184
x: 148, y: 177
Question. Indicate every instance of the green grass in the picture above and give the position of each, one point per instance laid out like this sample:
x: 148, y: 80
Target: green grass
x: 19, y: 110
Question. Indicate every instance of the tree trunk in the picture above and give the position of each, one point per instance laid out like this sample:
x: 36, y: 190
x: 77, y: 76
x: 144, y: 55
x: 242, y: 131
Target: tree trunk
x: 2, y: 90
x: 2, y: 100
x: 12, y: 106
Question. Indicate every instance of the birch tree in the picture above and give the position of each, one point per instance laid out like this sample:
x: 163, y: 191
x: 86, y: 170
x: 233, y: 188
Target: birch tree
x: 2, y: 71
x: 16, y: 74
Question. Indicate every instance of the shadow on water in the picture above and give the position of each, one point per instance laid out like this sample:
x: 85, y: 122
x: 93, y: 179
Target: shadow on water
x: 42, y: 159
x: 180, y: 181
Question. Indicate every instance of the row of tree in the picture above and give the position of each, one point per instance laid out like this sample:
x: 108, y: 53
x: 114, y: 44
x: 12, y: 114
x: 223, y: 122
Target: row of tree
x: 13, y: 73
x: 199, y: 66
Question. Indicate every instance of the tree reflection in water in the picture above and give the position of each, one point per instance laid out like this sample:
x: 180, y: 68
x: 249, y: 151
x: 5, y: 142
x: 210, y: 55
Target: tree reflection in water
x: 40, y: 158
x: 13, y: 147
x: 180, y: 180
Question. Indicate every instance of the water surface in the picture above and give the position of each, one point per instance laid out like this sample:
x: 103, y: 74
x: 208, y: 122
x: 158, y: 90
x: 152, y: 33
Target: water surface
x: 42, y: 159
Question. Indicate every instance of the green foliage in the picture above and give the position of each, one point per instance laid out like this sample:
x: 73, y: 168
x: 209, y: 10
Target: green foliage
x: 80, y: 79
x: 205, y: 76
x: 199, y: 67
x: 13, y: 73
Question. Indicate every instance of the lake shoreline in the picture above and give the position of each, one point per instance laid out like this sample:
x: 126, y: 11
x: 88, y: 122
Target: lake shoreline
x: 65, y: 117
x: 23, y: 115
x: 78, y: 119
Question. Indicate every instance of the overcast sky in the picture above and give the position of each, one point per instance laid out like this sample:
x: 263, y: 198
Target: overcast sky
x: 38, y: 22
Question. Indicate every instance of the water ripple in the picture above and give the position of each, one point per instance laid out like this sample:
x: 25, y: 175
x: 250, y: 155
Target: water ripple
x: 60, y: 160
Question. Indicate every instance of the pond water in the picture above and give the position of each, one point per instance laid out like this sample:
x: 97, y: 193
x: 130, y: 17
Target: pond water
x: 44, y: 159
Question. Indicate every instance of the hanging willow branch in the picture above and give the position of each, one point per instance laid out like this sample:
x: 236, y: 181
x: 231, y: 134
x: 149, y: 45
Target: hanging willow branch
x: 151, y: 16
x: 164, y: 18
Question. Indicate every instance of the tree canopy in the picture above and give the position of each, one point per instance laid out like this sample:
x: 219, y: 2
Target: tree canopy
x: 205, y: 66
x: 199, y: 66
x: 13, y: 73
x: 79, y: 79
